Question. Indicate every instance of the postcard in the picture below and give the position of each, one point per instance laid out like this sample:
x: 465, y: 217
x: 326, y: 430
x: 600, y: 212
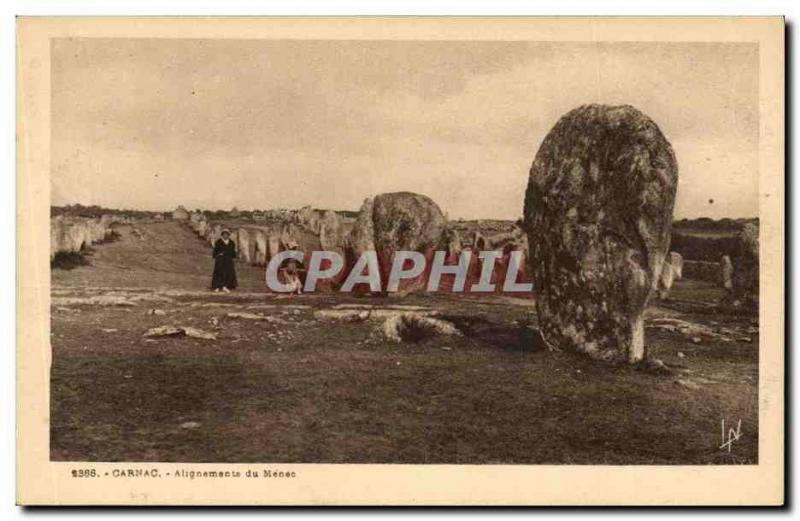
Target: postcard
x: 400, y: 261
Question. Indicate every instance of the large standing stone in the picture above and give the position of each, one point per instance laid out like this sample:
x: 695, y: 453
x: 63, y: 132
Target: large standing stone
x: 406, y: 221
x: 598, y: 212
x: 399, y: 221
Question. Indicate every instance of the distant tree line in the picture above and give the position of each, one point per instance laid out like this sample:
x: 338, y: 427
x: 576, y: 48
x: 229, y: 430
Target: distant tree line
x: 224, y: 214
x: 706, y: 239
x: 248, y: 214
x: 706, y: 223
x: 94, y: 211
x: 708, y: 248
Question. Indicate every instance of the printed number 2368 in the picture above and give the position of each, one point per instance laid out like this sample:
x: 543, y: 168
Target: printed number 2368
x: 84, y: 473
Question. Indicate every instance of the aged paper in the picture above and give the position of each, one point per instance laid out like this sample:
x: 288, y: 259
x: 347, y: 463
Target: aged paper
x: 400, y: 261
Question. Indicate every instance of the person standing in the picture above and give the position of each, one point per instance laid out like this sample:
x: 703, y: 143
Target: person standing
x: 224, y: 276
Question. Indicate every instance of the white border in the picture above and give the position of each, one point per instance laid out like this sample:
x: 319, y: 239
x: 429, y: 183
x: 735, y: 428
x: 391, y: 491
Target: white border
x: 241, y: 7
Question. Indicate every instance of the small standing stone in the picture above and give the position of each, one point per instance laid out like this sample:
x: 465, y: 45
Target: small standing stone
x: 746, y: 265
x: 726, y: 272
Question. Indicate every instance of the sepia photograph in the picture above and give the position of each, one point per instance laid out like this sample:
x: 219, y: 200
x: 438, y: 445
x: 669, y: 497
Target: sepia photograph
x: 423, y: 251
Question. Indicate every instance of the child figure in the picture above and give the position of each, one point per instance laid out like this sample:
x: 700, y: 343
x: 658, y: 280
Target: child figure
x: 291, y: 274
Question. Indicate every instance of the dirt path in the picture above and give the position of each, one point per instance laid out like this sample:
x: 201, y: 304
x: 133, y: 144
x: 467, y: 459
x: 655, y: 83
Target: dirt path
x: 154, y: 255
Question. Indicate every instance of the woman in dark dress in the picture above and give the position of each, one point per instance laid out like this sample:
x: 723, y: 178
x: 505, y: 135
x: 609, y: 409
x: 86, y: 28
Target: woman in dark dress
x: 224, y: 277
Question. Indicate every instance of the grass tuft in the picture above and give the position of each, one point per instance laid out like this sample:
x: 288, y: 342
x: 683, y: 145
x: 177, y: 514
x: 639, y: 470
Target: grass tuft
x: 69, y: 260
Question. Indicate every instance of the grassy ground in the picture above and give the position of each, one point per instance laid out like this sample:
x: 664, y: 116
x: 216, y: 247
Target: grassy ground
x: 305, y: 389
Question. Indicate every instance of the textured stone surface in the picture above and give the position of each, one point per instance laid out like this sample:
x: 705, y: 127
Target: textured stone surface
x: 260, y: 250
x: 362, y: 235
x: 745, y: 263
x: 598, y: 212
x: 289, y: 237
x: 675, y: 260
x: 400, y: 221
x: 243, y: 245
x: 726, y: 272
x: 331, y: 232
x: 413, y: 327
x: 406, y: 221
x: 272, y: 245
x: 480, y: 243
x: 451, y: 242
x: 213, y: 233
x: 70, y: 234
x: 672, y: 270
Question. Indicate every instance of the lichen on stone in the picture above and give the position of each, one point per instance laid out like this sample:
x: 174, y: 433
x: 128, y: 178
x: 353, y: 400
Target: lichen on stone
x: 598, y: 212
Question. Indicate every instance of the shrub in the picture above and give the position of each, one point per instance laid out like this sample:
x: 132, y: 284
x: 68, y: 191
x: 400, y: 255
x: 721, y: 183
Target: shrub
x: 68, y: 260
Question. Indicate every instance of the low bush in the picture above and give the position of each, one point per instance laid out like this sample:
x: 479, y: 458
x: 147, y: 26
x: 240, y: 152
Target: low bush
x: 68, y: 260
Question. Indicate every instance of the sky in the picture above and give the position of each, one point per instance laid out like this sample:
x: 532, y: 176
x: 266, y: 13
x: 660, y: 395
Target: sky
x: 153, y: 123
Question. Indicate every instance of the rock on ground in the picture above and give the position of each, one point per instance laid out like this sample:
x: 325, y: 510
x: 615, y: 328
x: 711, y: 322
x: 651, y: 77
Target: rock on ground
x: 699, y: 332
x: 371, y: 313
x: 109, y: 299
x: 413, y: 327
x: 598, y: 211
x: 248, y: 316
x: 179, y: 331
